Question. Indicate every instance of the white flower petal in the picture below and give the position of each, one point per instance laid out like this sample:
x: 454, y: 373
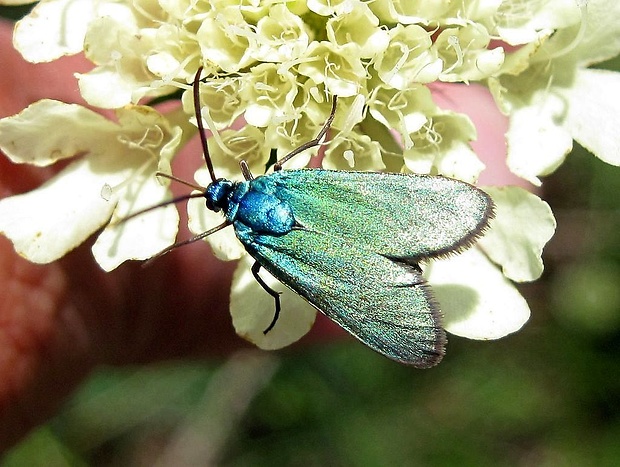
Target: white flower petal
x: 537, y: 141
x: 523, y: 224
x: 601, y: 39
x: 356, y: 151
x: 15, y: 2
x: 593, y: 118
x: 120, y: 49
x: 46, y: 223
x: 227, y: 39
x: 55, y: 28
x: 411, y: 12
x: 460, y: 162
x: 143, y: 236
x: 478, y: 302
x: 523, y: 22
x: 105, y: 88
x: 280, y: 36
x: 328, y: 8
x: 341, y: 70
x: 360, y: 28
x: 52, y: 29
x: 163, y: 64
x: 252, y: 310
x: 48, y: 131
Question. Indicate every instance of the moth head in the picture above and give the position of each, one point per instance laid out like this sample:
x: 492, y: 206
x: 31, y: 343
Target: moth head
x: 217, y: 194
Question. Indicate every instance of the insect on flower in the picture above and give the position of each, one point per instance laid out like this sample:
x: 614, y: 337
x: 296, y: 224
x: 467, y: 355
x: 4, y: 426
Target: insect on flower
x: 350, y: 243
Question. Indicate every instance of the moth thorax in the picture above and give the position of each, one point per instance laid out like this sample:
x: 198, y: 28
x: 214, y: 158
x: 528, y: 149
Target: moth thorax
x: 265, y: 213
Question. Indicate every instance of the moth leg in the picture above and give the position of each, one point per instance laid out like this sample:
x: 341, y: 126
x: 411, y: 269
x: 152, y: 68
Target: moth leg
x: 270, y: 291
x: 245, y: 170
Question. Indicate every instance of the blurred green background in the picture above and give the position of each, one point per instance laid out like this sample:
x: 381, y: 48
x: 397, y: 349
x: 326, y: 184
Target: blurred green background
x: 546, y: 396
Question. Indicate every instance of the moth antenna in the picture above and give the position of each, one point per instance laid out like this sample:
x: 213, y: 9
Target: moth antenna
x: 310, y: 144
x: 201, y: 128
x: 201, y: 194
x: 182, y: 182
x: 185, y: 242
x: 178, y: 199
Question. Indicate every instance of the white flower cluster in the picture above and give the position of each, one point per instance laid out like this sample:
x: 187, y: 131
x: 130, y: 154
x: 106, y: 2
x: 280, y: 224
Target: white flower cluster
x: 277, y: 64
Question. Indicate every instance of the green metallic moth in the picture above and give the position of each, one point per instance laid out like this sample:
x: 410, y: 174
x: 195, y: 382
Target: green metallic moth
x: 350, y: 243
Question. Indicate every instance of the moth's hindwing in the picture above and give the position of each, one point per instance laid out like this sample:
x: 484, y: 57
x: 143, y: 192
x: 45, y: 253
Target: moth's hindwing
x: 384, y: 303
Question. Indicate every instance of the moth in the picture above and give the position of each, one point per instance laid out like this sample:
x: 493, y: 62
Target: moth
x: 351, y: 243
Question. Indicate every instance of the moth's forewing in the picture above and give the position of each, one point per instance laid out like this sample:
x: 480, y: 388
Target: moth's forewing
x: 396, y: 215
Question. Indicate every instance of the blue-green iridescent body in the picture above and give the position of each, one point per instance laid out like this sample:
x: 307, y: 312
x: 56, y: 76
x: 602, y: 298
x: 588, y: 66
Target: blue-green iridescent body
x: 350, y: 244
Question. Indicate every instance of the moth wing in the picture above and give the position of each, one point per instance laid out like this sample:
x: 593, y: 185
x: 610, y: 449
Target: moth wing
x: 399, y: 215
x: 384, y: 303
